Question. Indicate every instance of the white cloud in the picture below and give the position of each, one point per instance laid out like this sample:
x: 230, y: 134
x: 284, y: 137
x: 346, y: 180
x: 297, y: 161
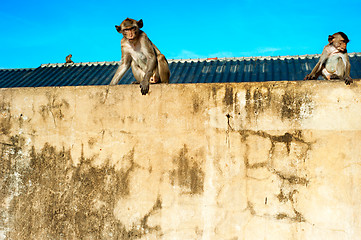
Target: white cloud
x: 268, y: 50
x: 185, y: 54
x: 261, y: 51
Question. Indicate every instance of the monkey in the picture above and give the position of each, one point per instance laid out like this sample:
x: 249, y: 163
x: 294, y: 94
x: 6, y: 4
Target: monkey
x: 334, y: 62
x: 68, y: 59
x: 148, y: 64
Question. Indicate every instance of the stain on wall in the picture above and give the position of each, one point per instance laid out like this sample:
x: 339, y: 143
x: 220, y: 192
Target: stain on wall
x: 188, y: 173
x: 289, y: 104
x: 286, y: 174
x: 54, y: 108
x: 57, y: 200
x: 296, y: 105
x: 225, y: 161
x: 5, y: 117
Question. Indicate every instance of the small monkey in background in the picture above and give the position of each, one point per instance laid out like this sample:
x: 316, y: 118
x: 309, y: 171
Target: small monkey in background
x: 68, y: 59
x: 334, y: 62
x: 148, y: 64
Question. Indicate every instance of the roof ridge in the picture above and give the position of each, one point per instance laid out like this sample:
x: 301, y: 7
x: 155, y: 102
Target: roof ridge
x: 16, y: 69
x: 255, y: 58
x: 79, y: 64
x: 188, y: 60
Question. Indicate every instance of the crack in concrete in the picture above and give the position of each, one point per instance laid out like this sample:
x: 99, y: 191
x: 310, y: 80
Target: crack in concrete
x: 292, y: 180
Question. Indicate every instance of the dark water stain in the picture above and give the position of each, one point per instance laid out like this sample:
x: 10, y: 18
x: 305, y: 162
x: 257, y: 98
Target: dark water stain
x: 228, y: 96
x: 292, y: 181
x: 292, y: 103
x: 5, y: 118
x: 53, y: 199
x: 188, y: 173
x: 197, y: 103
x: 257, y: 101
x: 54, y: 108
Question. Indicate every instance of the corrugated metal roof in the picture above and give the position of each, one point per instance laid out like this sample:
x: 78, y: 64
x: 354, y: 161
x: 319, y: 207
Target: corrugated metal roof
x: 9, y: 75
x: 245, y: 69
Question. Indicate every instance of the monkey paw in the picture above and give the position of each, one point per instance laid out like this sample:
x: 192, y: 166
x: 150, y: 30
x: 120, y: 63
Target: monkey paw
x: 309, y: 77
x: 348, y: 80
x: 144, y: 87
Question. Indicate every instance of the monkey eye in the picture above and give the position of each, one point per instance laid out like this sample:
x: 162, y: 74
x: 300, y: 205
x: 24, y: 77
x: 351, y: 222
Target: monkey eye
x: 129, y: 29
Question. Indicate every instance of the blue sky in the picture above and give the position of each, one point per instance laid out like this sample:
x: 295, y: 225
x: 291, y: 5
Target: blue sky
x: 39, y: 32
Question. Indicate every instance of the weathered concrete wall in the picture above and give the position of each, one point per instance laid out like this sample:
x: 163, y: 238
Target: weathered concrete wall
x: 276, y: 160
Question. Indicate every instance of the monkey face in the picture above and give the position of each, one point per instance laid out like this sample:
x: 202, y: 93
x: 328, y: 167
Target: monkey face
x: 130, y: 33
x: 339, y: 40
x: 130, y: 28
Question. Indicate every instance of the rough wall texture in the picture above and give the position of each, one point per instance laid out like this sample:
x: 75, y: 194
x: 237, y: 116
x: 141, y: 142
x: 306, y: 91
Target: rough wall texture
x: 275, y: 160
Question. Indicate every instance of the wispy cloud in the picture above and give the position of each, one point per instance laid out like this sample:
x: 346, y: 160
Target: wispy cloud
x: 261, y: 51
x: 186, y: 54
x: 268, y: 50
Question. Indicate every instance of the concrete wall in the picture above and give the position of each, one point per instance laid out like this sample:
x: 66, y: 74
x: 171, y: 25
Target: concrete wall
x: 275, y: 160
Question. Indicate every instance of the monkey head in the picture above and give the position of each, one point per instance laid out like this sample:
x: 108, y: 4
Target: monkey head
x: 130, y: 28
x: 339, y: 40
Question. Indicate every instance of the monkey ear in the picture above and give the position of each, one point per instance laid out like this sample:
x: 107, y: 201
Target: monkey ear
x: 119, y: 29
x: 330, y: 38
x: 140, y: 23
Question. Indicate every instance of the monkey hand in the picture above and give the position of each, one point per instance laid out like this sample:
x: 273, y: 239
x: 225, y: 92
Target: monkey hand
x: 144, y: 87
x: 348, y: 80
x: 310, y: 77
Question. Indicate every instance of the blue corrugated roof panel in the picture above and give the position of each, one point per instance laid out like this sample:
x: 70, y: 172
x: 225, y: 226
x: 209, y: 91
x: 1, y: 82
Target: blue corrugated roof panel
x: 246, y: 69
x: 7, y: 76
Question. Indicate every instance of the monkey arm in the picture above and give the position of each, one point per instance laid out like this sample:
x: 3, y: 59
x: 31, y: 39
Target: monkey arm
x: 151, y: 66
x: 315, y: 73
x: 317, y: 70
x: 151, y: 63
x: 122, y: 69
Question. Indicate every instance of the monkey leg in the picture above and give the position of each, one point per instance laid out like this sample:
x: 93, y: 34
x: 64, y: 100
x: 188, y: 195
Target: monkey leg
x: 340, y: 71
x: 138, y: 73
x: 334, y: 76
x: 163, y: 68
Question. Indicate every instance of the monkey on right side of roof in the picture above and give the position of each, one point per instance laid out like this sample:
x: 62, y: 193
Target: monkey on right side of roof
x: 334, y: 62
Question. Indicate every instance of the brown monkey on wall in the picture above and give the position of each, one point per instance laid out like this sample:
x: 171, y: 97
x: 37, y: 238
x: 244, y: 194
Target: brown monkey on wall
x: 68, y: 59
x: 147, y: 62
x: 334, y: 62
